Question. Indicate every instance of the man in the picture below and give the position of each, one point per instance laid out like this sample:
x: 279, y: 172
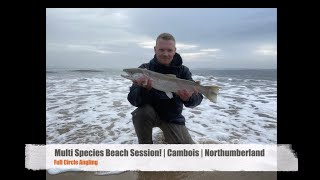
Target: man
x: 155, y: 108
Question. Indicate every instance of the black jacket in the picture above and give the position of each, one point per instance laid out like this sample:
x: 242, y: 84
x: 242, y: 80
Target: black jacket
x: 168, y: 109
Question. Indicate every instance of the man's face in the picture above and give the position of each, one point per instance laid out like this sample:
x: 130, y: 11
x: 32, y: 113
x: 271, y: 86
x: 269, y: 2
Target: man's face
x: 165, y: 50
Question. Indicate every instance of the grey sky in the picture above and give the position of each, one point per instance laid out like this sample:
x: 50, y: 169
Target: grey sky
x: 123, y: 38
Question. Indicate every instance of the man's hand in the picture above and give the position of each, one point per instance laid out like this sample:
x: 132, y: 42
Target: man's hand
x: 143, y: 82
x: 185, y: 94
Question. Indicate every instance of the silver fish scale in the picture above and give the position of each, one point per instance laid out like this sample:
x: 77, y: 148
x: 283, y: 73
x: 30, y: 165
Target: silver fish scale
x: 168, y: 86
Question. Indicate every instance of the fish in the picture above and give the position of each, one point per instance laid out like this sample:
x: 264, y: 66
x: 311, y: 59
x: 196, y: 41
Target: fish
x: 169, y: 83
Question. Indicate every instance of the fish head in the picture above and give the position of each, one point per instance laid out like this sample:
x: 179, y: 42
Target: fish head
x: 133, y: 70
x: 133, y: 73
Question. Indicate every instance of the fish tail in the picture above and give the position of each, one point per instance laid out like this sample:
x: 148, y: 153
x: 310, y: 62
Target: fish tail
x: 211, y: 92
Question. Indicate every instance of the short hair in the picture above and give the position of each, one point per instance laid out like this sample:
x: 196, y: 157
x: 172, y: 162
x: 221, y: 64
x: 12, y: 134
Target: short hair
x: 165, y: 36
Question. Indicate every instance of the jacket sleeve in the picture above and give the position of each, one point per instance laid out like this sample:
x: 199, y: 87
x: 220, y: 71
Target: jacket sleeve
x: 194, y: 100
x: 139, y: 96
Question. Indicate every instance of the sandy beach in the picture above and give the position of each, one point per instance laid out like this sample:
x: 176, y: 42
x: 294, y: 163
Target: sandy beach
x: 166, y: 175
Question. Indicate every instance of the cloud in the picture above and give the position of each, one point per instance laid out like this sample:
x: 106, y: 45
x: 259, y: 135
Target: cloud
x: 147, y: 44
x: 97, y: 17
x: 128, y: 35
x: 202, y: 55
x: 77, y: 47
x: 210, y: 50
x: 151, y: 43
x: 194, y: 54
x: 266, y: 50
x: 182, y: 46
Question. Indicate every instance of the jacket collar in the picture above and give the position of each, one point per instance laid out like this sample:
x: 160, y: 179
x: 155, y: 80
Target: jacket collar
x: 176, y: 62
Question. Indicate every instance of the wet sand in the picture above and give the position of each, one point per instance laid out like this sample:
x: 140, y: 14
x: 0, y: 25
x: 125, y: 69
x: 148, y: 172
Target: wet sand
x: 166, y: 175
